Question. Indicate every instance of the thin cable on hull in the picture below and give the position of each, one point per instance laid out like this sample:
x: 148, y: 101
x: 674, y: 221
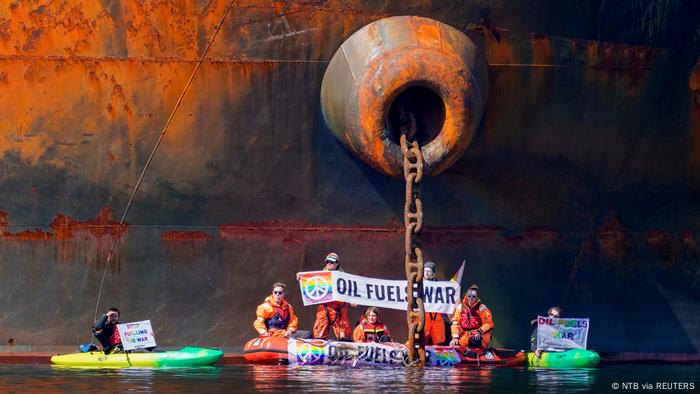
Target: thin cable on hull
x: 153, y: 153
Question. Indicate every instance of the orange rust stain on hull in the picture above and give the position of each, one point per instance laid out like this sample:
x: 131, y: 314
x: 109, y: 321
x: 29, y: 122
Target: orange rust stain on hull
x: 97, y: 133
x: 533, y: 237
x: 185, y: 236
x: 541, y: 49
x: 497, y: 45
x: 66, y: 227
x: 432, y: 235
x: 614, y: 240
x: 89, y: 27
x: 687, y: 240
x: 27, y: 235
x: 606, y: 63
x: 661, y: 243
x: 541, y: 77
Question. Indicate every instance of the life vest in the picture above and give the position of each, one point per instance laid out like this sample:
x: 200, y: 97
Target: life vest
x: 373, y: 332
x: 280, y: 320
x: 115, y: 339
x: 470, y: 318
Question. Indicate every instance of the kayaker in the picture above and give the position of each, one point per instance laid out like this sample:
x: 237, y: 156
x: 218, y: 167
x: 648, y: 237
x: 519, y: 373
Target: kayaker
x: 472, y: 323
x: 332, y: 314
x: 370, y: 329
x: 275, y: 316
x: 105, y: 330
x: 553, y: 312
x: 434, y: 322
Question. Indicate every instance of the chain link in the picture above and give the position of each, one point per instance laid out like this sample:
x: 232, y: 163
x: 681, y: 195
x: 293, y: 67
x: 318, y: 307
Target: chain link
x: 413, y: 221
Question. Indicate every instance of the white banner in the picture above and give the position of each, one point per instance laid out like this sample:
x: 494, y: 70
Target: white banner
x: 319, y: 352
x: 345, y: 353
x: 137, y: 335
x: 318, y: 287
x: 556, y: 334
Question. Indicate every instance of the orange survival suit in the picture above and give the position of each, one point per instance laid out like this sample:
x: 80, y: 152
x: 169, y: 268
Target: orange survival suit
x: 368, y: 332
x: 468, y: 320
x: 335, y: 314
x: 274, y: 318
x: 434, y: 327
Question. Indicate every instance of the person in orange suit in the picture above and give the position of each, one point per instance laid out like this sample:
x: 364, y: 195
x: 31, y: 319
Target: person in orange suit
x: 275, y: 317
x: 332, y: 314
x: 434, y: 322
x: 370, y: 329
x: 472, y: 323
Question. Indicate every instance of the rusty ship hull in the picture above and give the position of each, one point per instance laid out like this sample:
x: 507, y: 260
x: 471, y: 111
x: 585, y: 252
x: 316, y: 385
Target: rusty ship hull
x: 580, y: 188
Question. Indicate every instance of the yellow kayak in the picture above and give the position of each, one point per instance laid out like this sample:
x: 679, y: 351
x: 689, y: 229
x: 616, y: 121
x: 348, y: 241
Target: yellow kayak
x: 185, y: 357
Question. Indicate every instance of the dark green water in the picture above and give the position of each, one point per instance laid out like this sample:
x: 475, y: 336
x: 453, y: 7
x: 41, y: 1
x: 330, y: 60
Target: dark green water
x: 250, y: 378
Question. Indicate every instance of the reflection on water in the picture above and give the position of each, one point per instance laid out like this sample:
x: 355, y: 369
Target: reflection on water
x: 330, y: 378
x: 248, y: 378
x: 50, y: 379
x: 553, y: 380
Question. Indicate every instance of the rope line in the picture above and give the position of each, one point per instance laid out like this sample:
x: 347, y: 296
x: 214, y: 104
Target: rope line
x: 153, y: 153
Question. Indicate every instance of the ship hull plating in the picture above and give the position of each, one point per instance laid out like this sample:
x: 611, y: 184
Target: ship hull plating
x: 580, y: 187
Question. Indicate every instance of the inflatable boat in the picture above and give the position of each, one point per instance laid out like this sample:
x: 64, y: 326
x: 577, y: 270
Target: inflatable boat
x: 277, y: 350
x: 185, y: 357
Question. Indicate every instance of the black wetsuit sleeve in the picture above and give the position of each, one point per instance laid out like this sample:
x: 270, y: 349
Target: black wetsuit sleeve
x: 100, y: 324
x: 533, y: 340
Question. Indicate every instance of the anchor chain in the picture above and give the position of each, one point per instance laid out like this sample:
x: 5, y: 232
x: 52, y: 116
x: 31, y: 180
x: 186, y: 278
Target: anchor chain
x: 413, y: 221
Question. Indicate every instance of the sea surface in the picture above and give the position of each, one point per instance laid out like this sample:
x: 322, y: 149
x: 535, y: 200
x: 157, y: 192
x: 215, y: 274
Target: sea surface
x: 255, y: 378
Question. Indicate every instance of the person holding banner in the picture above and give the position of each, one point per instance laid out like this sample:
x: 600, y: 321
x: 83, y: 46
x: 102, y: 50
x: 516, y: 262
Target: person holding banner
x: 370, y: 329
x: 472, y: 322
x: 332, y: 314
x: 553, y: 312
x: 434, y: 322
x: 106, y: 332
x: 275, y: 317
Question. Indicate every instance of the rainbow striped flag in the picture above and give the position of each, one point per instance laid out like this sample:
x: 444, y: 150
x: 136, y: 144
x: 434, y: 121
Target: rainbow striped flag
x: 317, y: 286
x: 457, y: 277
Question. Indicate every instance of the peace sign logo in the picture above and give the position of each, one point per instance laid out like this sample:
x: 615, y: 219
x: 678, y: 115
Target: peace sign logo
x: 446, y: 359
x: 308, y: 354
x: 317, y: 287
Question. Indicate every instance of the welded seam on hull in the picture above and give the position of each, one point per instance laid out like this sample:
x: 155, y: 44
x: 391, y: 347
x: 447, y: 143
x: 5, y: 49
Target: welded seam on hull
x: 150, y: 59
x: 615, y: 66
x: 261, y: 61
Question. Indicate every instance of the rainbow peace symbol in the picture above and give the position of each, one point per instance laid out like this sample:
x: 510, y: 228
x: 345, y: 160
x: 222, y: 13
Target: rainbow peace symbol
x: 446, y: 359
x: 306, y: 354
x: 316, y: 288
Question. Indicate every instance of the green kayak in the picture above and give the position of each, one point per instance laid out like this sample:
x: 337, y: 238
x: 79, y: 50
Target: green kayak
x: 574, y: 358
x: 185, y: 357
